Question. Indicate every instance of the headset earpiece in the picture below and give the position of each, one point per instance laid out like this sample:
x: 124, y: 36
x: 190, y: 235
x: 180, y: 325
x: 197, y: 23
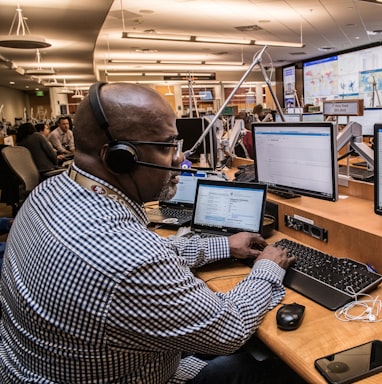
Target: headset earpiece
x: 120, y: 156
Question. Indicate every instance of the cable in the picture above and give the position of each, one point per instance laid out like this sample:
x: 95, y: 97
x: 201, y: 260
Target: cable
x: 361, y: 310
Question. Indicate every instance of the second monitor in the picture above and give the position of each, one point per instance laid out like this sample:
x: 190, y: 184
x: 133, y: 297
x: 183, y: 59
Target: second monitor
x: 190, y: 130
x: 297, y: 158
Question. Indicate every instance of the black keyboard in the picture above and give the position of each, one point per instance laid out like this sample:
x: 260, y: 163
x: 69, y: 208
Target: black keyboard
x: 171, y: 212
x: 325, y: 279
x: 362, y: 174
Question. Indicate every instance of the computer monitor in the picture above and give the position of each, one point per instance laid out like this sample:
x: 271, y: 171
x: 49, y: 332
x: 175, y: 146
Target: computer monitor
x: 378, y: 168
x: 296, y: 159
x: 190, y: 129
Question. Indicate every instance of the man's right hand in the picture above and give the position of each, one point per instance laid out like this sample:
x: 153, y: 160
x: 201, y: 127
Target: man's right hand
x: 278, y: 255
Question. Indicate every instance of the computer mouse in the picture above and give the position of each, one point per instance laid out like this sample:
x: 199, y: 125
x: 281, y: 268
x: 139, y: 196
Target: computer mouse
x: 289, y: 316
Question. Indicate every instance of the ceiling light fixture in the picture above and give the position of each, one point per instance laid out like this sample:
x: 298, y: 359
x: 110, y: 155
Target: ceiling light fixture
x: 280, y: 44
x: 156, y: 36
x: 218, y: 40
x: 210, y: 40
x: 65, y: 90
x: 283, y: 43
x: 169, y: 92
x: 39, y: 70
x: 53, y: 83
x: 78, y: 94
x: 22, y: 39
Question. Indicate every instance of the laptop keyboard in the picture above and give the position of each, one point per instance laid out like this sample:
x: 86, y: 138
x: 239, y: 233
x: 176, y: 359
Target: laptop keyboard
x: 362, y: 174
x: 171, y: 212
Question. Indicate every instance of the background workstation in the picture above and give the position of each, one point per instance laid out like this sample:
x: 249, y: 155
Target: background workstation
x: 99, y: 34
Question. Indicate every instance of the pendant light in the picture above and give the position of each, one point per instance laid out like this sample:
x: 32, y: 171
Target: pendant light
x: 22, y: 38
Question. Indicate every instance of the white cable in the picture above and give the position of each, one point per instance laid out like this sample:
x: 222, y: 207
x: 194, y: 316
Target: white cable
x: 367, y: 310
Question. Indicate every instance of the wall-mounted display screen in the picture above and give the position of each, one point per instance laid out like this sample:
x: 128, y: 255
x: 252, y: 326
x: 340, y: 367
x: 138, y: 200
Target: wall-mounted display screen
x: 356, y: 74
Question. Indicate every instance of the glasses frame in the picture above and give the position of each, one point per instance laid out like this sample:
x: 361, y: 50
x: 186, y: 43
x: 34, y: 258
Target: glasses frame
x: 175, y: 143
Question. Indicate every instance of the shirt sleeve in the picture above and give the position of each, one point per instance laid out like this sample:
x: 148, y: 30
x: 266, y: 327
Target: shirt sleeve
x: 71, y: 140
x: 47, y: 148
x: 165, y: 307
x: 197, y: 251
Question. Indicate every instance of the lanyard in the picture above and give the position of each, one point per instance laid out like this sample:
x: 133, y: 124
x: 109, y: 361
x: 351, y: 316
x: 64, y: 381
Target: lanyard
x: 103, y: 190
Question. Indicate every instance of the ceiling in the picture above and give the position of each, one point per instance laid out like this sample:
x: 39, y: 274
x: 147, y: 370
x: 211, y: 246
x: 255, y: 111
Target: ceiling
x: 86, y: 37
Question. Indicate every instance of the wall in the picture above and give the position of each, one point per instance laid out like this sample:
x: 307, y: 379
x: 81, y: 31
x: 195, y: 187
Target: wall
x: 14, y: 102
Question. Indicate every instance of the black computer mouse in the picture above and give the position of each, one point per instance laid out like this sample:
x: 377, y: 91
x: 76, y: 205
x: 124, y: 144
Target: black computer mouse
x: 289, y: 316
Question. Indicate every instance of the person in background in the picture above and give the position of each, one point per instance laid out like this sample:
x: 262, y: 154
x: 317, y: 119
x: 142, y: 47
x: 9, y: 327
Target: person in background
x: 62, y: 137
x: 43, y: 129
x: 42, y: 152
x: 91, y: 295
x: 259, y: 115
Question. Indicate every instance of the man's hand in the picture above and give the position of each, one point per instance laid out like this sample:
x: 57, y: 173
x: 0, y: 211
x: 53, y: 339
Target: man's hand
x: 246, y: 245
x: 278, y: 255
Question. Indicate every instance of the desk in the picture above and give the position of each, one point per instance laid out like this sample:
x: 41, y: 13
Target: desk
x: 319, y: 334
x: 354, y: 231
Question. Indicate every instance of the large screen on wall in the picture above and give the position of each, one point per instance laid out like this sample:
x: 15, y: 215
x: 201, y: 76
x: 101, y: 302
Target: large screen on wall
x: 356, y: 74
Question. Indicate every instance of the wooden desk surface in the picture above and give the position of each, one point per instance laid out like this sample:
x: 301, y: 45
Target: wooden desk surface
x: 319, y: 334
x: 355, y: 232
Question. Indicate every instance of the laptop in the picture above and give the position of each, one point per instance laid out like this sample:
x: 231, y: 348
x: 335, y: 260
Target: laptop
x: 228, y: 207
x: 177, y: 211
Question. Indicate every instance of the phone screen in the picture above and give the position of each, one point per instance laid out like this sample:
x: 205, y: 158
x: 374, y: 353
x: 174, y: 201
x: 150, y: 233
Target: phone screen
x: 351, y: 364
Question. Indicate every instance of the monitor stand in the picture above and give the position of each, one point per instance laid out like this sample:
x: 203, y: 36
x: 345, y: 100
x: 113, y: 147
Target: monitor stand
x: 284, y: 194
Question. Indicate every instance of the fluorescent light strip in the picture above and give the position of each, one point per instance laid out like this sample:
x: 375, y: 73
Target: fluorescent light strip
x: 222, y: 41
x: 190, y: 62
x: 133, y: 61
x: 132, y: 35
x: 213, y: 40
x: 233, y: 63
x: 280, y: 44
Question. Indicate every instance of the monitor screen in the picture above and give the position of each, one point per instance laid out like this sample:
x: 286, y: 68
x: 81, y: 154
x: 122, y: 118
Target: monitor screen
x: 378, y: 168
x: 297, y: 158
x: 190, y: 130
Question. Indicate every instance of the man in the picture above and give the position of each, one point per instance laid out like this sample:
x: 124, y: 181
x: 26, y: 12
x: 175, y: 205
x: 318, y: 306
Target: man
x: 90, y: 295
x: 62, y: 137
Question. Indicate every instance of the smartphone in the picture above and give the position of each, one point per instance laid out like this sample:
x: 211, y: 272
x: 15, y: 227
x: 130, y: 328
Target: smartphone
x: 351, y: 364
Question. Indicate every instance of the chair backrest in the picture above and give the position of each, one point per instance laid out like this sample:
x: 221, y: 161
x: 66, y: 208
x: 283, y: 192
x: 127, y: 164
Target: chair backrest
x: 20, y: 160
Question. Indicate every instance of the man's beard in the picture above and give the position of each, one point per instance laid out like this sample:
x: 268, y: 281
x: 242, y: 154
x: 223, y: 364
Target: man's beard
x: 168, y: 190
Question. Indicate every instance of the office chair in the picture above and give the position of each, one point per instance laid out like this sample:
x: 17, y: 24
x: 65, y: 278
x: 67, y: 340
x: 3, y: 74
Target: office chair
x: 24, y: 175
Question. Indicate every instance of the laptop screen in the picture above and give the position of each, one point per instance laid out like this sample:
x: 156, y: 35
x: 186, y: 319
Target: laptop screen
x: 228, y: 207
x: 185, y: 192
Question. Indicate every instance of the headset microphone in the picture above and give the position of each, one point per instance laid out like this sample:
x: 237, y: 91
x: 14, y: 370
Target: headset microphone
x: 179, y: 169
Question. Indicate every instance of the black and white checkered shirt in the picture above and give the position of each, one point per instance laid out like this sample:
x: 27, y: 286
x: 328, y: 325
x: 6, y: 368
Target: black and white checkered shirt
x: 90, y: 295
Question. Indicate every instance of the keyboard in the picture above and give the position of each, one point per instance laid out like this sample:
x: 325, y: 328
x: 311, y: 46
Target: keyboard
x: 362, y: 174
x: 330, y: 281
x: 171, y: 212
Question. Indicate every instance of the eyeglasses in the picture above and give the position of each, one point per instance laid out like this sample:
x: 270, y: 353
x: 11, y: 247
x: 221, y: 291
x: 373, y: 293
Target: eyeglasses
x: 175, y: 143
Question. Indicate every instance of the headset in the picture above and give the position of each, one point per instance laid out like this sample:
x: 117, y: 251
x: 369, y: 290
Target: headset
x: 120, y: 156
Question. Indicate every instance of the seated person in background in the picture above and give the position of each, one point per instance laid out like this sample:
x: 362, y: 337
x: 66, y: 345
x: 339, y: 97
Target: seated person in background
x: 260, y: 116
x: 44, y: 130
x: 91, y: 295
x: 42, y: 152
x: 62, y: 137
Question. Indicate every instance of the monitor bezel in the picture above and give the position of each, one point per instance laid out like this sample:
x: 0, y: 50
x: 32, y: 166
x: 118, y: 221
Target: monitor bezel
x: 377, y: 168
x: 292, y: 191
